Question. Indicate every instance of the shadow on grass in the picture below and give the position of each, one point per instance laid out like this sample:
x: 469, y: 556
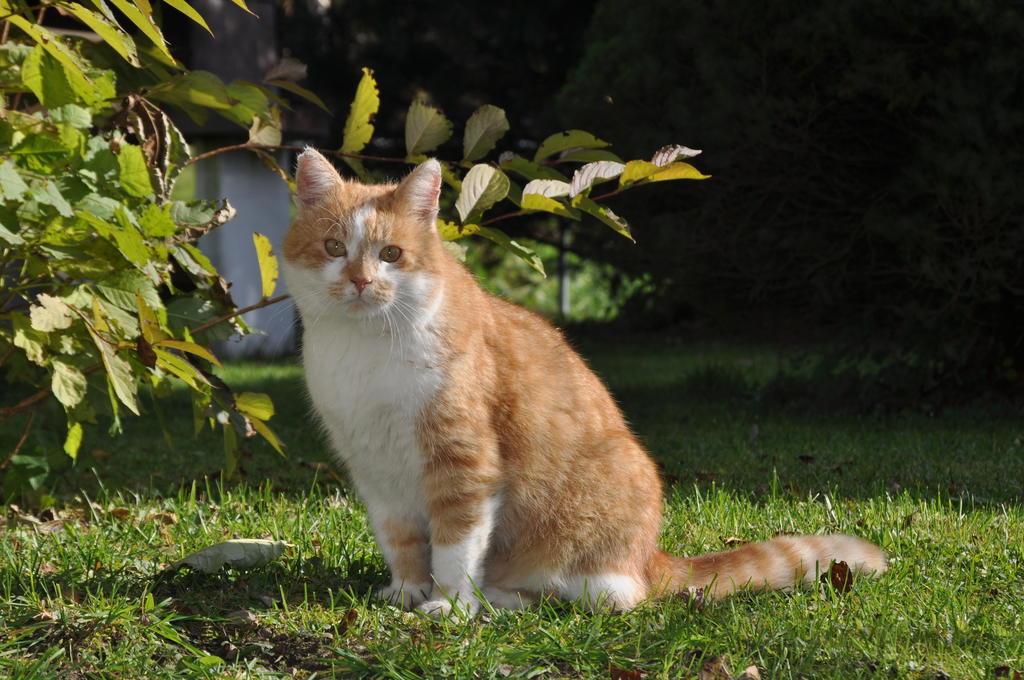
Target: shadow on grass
x: 711, y: 415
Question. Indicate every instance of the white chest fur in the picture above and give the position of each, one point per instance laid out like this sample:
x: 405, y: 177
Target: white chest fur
x: 369, y: 389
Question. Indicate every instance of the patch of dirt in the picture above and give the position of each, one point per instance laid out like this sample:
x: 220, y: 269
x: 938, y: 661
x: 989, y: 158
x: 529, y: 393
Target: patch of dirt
x: 304, y: 651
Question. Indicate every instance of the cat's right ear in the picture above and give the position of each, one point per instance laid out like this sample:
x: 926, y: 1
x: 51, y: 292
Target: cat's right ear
x: 315, y: 177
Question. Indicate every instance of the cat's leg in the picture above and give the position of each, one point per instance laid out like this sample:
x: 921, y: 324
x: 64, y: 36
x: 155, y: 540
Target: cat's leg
x: 403, y: 538
x: 460, y: 536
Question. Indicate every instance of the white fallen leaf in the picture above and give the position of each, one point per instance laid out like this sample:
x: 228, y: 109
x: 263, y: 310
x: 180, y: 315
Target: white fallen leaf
x: 240, y: 553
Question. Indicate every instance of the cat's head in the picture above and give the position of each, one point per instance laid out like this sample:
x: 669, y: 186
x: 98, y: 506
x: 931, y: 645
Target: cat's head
x: 363, y: 250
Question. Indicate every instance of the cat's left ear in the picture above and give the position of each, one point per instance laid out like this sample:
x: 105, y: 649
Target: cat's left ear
x: 315, y: 177
x: 420, y: 191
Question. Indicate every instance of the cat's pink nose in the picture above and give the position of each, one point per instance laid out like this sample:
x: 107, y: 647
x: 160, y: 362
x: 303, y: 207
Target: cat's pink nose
x: 360, y: 282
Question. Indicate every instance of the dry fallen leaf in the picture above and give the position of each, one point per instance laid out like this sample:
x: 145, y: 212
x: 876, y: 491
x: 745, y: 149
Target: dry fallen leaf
x: 749, y: 673
x: 241, y: 553
x: 733, y: 540
x: 839, y: 576
x: 48, y: 568
x: 716, y: 668
x: 121, y: 513
x: 166, y: 518
x: 623, y: 674
x: 54, y: 525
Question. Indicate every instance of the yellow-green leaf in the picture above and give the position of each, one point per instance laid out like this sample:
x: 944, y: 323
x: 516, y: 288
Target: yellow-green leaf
x: 144, y: 22
x: 255, y: 404
x: 550, y: 205
x: 73, y: 441
x: 268, y: 263
x: 189, y: 11
x: 426, y: 128
x: 149, y: 323
x: 191, y: 348
x: 267, y: 434
x: 450, y: 231
x: 677, y: 171
x: 359, y: 124
x: 108, y: 30
x: 178, y: 366
x: 241, y: 3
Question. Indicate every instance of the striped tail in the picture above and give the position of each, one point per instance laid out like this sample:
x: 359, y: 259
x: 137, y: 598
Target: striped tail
x: 776, y: 564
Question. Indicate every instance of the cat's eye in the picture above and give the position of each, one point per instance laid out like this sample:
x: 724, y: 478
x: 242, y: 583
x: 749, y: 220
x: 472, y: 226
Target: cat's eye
x: 334, y: 247
x: 390, y: 253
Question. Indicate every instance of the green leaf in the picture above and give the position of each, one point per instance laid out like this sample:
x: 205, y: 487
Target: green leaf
x: 156, y: 221
x: 178, y: 366
x: 29, y: 339
x: 426, y: 128
x: 12, y: 187
x: 255, y: 404
x: 73, y: 67
x: 484, y: 128
x: 359, y: 124
x: 68, y: 384
x: 48, y: 193
x: 501, y: 238
x: 73, y: 441
x: 482, y: 187
x: 50, y: 314
x: 107, y: 29
x: 45, y: 77
x: 545, y: 204
x: 190, y: 12
x: 528, y: 169
x: 589, y: 156
x: 195, y: 88
x: 302, y: 92
x: 134, y: 173
x: 266, y: 129
x: 267, y: 263
x: 604, y: 214
x: 119, y: 373
x: 569, y: 139
x: 74, y: 115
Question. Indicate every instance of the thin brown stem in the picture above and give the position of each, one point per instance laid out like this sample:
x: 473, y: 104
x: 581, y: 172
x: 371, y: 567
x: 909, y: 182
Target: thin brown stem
x: 265, y: 302
x: 21, y: 442
x: 286, y: 147
x: 506, y: 216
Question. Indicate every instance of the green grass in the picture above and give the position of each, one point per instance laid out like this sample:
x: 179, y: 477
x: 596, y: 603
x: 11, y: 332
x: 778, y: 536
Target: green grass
x: 83, y: 598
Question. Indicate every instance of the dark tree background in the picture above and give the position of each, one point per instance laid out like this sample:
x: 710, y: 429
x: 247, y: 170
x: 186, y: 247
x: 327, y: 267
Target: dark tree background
x: 867, y: 155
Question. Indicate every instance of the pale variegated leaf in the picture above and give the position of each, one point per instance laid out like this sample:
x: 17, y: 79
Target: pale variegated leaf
x: 591, y: 173
x: 669, y: 153
x: 483, y: 130
x: 552, y: 188
x: 482, y: 187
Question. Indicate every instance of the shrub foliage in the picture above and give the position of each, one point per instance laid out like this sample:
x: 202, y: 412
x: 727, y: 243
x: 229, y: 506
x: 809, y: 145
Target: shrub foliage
x: 105, y: 300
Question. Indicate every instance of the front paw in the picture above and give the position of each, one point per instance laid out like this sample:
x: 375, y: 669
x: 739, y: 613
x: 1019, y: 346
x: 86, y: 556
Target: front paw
x: 460, y: 610
x: 404, y: 595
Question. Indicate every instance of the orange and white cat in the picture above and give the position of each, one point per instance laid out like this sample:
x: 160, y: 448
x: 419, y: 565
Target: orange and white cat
x: 491, y: 459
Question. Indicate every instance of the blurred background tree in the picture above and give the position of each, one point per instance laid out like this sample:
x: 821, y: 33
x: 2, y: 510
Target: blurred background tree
x: 866, y: 158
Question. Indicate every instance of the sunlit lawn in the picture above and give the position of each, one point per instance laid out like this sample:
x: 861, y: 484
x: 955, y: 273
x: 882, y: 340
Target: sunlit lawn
x: 83, y: 597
